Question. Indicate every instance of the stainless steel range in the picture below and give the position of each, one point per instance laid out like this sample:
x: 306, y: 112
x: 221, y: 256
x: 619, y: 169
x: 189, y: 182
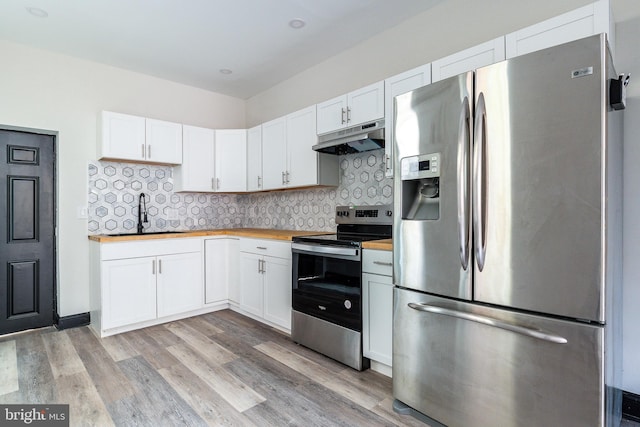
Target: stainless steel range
x: 327, y: 284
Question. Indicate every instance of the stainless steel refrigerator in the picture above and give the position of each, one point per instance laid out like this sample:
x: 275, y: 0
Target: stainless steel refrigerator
x: 507, y: 241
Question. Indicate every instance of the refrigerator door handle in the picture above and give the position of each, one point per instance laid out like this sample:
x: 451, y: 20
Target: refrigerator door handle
x: 479, y: 181
x: 464, y: 144
x: 523, y: 330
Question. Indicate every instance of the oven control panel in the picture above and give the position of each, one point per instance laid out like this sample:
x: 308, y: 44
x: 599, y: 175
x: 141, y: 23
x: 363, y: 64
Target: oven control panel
x: 378, y: 214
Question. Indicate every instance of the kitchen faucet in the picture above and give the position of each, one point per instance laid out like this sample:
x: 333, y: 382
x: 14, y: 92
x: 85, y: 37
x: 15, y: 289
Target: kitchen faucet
x: 142, y: 212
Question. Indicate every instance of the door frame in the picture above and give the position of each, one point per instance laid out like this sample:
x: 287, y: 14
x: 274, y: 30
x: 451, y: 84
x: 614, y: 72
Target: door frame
x: 56, y: 187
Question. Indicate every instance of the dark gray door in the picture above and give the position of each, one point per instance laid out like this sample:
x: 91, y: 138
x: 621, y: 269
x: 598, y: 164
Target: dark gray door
x: 27, y: 243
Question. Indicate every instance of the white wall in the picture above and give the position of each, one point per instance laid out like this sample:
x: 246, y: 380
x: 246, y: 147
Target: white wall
x: 628, y: 61
x: 447, y: 28
x: 43, y: 90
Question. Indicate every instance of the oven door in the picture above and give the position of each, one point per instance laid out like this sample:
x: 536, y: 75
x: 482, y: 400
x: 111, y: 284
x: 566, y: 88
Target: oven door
x: 327, y: 284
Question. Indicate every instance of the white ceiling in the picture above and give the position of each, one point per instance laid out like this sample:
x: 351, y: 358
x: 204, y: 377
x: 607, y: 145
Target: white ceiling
x: 190, y: 41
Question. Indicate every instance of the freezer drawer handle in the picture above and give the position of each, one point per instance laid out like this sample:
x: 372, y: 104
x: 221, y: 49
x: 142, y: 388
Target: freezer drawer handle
x: 534, y: 333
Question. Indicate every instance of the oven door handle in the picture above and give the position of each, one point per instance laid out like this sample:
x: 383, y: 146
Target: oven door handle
x: 329, y: 251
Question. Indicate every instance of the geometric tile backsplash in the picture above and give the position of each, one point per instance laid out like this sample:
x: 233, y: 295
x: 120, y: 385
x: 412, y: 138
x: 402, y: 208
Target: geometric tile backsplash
x: 114, y: 190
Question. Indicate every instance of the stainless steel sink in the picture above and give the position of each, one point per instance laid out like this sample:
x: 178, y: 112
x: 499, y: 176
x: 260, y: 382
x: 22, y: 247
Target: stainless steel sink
x: 151, y: 233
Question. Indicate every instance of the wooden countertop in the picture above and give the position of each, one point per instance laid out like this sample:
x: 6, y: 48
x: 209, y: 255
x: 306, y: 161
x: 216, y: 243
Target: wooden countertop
x: 385, y: 245
x: 257, y: 233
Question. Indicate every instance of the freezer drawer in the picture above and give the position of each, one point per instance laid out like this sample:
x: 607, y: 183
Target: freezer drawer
x: 469, y: 365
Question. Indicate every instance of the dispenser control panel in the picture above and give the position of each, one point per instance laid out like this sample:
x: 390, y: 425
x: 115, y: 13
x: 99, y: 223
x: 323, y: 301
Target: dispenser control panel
x: 419, y: 167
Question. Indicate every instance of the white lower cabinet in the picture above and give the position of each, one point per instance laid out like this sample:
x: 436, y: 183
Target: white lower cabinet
x: 135, y: 284
x: 221, y: 270
x: 377, y: 304
x: 179, y: 283
x: 128, y: 291
x: 265, y: 280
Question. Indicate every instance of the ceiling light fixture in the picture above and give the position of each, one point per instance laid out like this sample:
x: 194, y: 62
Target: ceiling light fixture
x: 225, y: 71
x: 37, y: 12
x: 297, y: 23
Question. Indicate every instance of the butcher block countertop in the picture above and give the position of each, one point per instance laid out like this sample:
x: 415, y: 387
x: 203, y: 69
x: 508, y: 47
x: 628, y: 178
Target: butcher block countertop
x: 384, y: 245
x: 257, y: 233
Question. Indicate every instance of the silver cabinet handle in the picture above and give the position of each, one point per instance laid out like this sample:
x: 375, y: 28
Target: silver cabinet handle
x: 149, y: 151
x: 342, y: 116
x: 159, y: 266
x: 464, y: 144
x: 261, y: 247
x: 264, y: 266
x: 386, y: 264
x: 489, y: 321
x: 283, y: 178
x: 142, y: 146
x: 259, y: 266
x: 348, y: 114
x: 387, y: 162
x: 479, y: 180
x: 153, y: 267
x: 259, y: 183
x: 287, y: 175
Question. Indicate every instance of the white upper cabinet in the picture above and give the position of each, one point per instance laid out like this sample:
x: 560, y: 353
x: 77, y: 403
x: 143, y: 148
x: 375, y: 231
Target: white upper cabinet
x: 394, y: 86
x: 302, y: 167
x: 254, y: 159
x: 287, y: 157
x: 231, y: 160
x: 164, y: 141
x: 592, y: 19
x: 274, y: 153
x: 133, y: 138
x: 197, y: 170
x: 123, y: 136
x: 469, y: 59
x: 360, y: 106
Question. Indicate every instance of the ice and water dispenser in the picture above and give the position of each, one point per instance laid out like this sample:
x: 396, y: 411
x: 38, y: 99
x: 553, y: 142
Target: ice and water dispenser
x: 420, y: 177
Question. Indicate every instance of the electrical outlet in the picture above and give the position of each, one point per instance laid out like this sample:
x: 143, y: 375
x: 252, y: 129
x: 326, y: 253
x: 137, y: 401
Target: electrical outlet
x: 82, y: 212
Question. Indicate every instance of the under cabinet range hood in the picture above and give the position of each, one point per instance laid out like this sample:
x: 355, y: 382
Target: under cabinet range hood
x: 356, y: 139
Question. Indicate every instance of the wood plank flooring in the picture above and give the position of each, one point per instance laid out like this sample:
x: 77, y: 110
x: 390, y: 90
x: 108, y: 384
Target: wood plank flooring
x: 219, y: 369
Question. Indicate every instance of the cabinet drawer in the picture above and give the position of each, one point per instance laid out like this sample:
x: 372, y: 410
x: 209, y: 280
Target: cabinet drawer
x: 274, y: 248
x: 377, y: 262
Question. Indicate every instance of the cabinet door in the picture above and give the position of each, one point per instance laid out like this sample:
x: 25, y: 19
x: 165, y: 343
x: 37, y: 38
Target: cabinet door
x: 128, y: 291
x: 123, y: 136
x: 251, y: 283
x: 254, y: 159
x: 394, y: 86
x: 197, y: 170
x: 332, y: 114
x: 377, y: 316
x: 469, y: 59
x: 216, y: 270
x: 274, y: 153
x: 277, y: 291
x: 301, y: 136
x: 180, y: 285
x: 231, y: 160
x: 365, y: 104
x: 583, y: 22
x: 164, y: 142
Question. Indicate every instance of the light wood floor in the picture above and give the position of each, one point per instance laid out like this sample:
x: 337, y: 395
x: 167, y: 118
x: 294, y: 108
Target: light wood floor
x: 217, y: 369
